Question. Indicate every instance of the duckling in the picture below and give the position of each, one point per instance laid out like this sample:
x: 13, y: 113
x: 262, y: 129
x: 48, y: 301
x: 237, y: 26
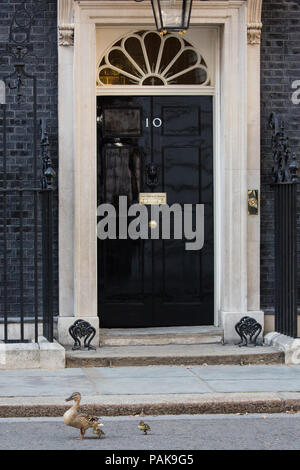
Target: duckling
x: 144, y: 427
x: 99, y: 432
x: 80, y: 421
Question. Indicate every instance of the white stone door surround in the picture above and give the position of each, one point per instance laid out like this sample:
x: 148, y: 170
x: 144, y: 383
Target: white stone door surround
x: 237, y: 149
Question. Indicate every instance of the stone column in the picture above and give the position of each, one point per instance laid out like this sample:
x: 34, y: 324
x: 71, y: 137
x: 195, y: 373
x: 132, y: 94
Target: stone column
x: 68, y: 311
x: 233, y: 170
x: 241, y: 271
x: 253, y: 151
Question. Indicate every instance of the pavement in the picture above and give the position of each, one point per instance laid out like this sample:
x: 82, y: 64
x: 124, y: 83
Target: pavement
x: 152, y: 390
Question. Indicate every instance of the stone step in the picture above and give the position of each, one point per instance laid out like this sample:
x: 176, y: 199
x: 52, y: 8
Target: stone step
x: 160, y: 336
x: 189, y: 354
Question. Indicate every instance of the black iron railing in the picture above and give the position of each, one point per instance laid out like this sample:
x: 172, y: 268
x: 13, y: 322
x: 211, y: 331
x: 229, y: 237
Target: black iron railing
x: 285, y: 180
x: 46, y: 195
x: 26, y: 227
x: 26, y: 186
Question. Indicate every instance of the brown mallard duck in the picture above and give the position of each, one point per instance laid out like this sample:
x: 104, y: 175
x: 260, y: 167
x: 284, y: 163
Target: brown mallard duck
x: 144, y: 427
x: 81, y: 421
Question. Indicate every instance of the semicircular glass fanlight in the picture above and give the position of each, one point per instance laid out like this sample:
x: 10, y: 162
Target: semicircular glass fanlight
x: 147, y: 58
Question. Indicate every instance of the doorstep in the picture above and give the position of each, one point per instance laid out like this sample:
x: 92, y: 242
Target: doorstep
x: 160, y: 336
x: 189, y: 354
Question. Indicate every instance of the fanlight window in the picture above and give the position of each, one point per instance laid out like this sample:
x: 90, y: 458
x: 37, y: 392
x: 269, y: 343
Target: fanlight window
x: 147, y: 58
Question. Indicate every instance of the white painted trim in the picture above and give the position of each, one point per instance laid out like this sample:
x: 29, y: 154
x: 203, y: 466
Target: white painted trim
x: 193, y: 90
x: 166, y: 90
x: 217, y: 183
x: 231, y: 146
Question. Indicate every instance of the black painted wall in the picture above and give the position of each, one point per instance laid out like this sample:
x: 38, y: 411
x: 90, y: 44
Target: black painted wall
x: 35, y: 26
x: 280, y: 66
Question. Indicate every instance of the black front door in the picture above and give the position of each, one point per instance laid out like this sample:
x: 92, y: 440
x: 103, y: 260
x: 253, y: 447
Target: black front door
x: 162, y: 145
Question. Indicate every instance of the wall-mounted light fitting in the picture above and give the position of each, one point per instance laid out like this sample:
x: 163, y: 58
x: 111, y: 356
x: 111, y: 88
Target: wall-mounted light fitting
x: 171, y: 15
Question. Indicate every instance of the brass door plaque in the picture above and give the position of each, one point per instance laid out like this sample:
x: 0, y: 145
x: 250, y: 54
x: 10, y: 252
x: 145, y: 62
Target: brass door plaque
x: 253, y: 202
x: 153, y: 198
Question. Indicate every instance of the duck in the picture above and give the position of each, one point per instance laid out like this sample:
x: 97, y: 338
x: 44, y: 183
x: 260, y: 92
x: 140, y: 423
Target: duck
x: 144, y: 427
x: 81, y: 421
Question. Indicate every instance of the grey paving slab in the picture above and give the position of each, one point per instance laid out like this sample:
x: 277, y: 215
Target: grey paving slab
x: 259, y: 385
x: 138, y: 372
x: 295, y: 368
x: 254, y: 372
x: 151, y: 380
x: 44, y: 386
x: 43, y: 373
x: 170, y: 385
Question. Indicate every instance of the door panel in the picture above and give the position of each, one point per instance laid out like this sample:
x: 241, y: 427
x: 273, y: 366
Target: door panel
x: 180, y: 120
x: 183, y: 149
x: 124, y: 270
x: 156, y: 282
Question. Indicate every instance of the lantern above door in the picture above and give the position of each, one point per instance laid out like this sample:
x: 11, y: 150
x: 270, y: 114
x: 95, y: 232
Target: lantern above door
x: 171, y: 15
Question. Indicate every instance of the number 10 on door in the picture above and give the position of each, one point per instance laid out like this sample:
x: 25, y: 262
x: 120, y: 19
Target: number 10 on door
x: 156, y: 122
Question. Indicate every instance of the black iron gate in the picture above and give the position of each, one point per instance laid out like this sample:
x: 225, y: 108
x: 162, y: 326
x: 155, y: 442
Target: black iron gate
x: 26, y: 192
x: 285, y: 180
